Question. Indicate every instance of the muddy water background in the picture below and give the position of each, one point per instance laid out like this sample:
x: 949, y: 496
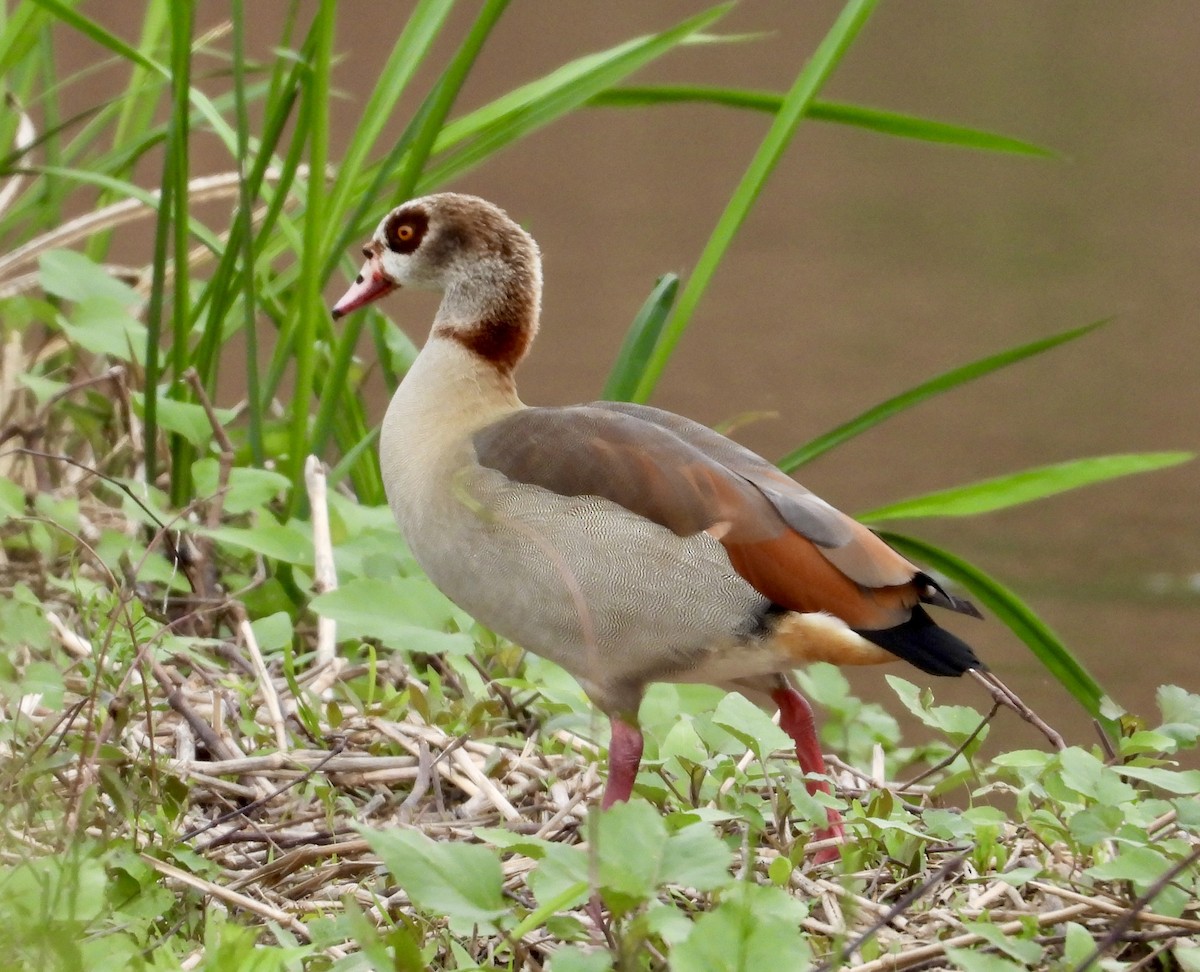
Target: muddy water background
x: 872, y: 263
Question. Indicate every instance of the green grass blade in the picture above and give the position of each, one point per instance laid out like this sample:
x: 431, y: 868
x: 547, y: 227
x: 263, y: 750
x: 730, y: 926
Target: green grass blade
x: 926, y: 129
x: 812, y: 77
x: 640, y: 340
x: 309, y: 299
x: 137, y: 106
x: 421, y: 29
x: 1018, y: 617
x: 935, y: 386
x: 540, y: 102
x: 123, y: 189
x: 243, y: 231
x: 93, y: 31
x: 874, y: 119
x: 20, y: 33
x: 1025, y: 486
x: 243, y: 245
x: 154, y: 320
x: 407, y: 160
x: 566, y: 77
x: 179, y: 144
x: 411, y: 154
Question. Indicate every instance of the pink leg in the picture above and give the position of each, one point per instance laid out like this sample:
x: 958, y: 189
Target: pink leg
x: 624, y: 758
x: 796, y: 719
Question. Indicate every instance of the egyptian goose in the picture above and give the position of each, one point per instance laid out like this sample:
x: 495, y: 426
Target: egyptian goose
x: 623, y: 542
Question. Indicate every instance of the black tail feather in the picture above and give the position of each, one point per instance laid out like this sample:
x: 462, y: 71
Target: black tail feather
x: 919, y: 641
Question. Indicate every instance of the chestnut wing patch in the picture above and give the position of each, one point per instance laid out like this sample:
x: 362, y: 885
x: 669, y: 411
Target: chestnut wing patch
x: 853, y: 549
x: 585, y: 451
x: 802, y: 510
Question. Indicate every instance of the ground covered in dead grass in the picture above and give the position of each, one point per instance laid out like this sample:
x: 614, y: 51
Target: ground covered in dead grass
x: 235, y: 742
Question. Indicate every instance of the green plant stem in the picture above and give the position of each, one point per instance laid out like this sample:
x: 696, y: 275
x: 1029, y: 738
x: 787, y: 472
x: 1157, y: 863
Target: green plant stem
x: 245, y: 231
x: 308, y: 296
x: 184, y: 12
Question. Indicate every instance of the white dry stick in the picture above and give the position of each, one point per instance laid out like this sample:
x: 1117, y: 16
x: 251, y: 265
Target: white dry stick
x: 487, y: 789
x: 26, y: 133
x: 325, y: 577
x: 270, y: 696
x: 241, y: 901
x: 201, y: 189
x: 13, y: 367
x: 73, y: 644
x: 185, y: 744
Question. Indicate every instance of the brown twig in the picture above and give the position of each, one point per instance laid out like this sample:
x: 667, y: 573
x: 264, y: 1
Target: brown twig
x: 947, y: 870
x: 921, y: 777
x: 339, y: 745
x: 1134, y: 911
x: 1007, y: 697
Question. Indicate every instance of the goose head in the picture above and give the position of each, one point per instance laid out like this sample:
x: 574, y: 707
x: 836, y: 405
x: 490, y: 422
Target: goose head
x: 487, y: 267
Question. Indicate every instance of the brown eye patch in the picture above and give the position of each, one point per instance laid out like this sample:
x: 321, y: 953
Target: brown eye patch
x: 405, y: 230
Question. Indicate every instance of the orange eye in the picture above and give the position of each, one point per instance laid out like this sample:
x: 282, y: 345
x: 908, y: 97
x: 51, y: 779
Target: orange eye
x: 404, y: 230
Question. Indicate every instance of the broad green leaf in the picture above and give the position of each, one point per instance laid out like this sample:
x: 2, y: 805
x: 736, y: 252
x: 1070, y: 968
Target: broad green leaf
x: 1019, y: 618
x: 1141, y: 865
x: 885, y: 122
x: 1086, y: 775
x: 640, y: 340
x: 247, y: 489
x: 1024, y: 487
x: 1028, y: 952
x: 277, y: 541
x: 273, y: 632
x: 184, y: 418
x: 631, y: 842
x: 1173, y: 781
x: 103, y: 325
x: 561, y: 876
x: 637, y: 854
x: 1188, y: 956
x: 682, y: 741
x: 462, y: 882
x: 44, y: 679
x: 810, y: 80
x: 571, y: 958
x: 404, y: 612
x: 43, y: 388
x: 754, y: 927
x: 928, y: 389
x: 12, y: 498
x: 1095, y: 824
x: 969, y: 961
x: 1180, y: 713
x: 957, y: 721
x: 740, y: 717
x: 695, y: 857
x: 74, y: 277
